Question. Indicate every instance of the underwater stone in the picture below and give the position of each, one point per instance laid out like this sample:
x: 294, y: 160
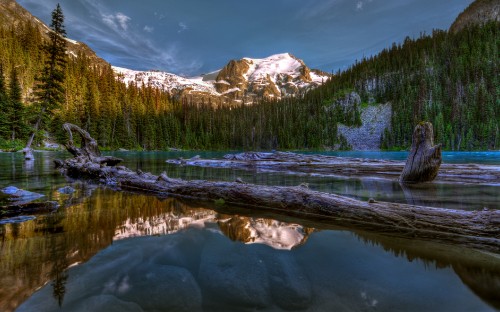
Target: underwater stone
x: 66, y: 190
x: 240, y: 279
x: 162, y: 288
x: 290, y: 287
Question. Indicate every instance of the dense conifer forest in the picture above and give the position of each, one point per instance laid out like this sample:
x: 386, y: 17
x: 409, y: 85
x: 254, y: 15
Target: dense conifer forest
x: 451, y: 80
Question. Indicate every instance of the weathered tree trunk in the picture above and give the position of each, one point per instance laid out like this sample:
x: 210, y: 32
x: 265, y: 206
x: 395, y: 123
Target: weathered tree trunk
x: 479, y: 229
x: 422, y: 164
x: 89, y: 150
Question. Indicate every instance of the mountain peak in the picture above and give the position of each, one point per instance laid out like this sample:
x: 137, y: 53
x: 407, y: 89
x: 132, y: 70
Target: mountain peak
x: 275, y: 76
x: 242, y: 80
x: 478, y: 12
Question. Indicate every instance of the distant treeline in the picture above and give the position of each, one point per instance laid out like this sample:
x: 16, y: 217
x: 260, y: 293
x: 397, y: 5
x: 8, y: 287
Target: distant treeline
x: 451, y: 80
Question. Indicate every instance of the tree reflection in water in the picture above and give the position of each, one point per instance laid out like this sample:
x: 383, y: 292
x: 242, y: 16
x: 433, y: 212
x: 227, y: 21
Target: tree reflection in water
x: 41, y: 250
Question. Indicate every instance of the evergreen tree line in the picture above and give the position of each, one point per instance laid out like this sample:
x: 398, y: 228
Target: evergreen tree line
x: 448, y: 79
x: 115, y: 114
x: 451, y: 80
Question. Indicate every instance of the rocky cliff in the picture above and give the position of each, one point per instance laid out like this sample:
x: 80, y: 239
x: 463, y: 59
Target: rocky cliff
x: 479, y: 12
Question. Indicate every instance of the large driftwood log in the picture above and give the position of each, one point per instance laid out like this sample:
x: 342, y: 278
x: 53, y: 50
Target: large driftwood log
x: 424, y: 159
x: 341, y: 166
x: 480, y: 229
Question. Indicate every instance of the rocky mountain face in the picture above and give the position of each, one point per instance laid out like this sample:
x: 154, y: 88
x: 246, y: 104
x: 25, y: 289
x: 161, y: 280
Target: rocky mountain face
x: 479, y: 12
x: 13, y: 15
x: 240, y: 81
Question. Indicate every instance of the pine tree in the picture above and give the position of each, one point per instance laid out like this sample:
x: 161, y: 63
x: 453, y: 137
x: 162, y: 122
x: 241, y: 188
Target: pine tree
x: 49, y: 89
x: 4, y: 127
x: 16, y: 111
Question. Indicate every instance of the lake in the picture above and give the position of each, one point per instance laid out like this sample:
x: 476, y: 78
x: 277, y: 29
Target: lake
x: 104, y: 250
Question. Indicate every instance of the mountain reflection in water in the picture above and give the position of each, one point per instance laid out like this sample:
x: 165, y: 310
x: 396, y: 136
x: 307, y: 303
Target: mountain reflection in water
x: 202, y: 264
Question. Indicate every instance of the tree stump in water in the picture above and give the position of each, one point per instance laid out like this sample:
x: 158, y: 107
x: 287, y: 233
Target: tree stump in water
x: 423, y: 162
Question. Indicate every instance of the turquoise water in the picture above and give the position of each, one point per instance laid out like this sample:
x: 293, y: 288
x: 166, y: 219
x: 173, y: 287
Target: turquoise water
x: 104, y: 250
x: 489, y: 157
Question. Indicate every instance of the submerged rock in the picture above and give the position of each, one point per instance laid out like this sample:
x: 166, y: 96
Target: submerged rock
x: 240, y: 279
x: 290, y: 287
x: 20, y: 195
x: 181, y: 249
x: 66, y: 190
x: 161, y: 288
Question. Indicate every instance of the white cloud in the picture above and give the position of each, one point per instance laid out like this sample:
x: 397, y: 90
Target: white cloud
x: 148, y: 29
x: 360, y: 4
x: 182, y: 27
x: 118, y: 21
x: 122, y: 20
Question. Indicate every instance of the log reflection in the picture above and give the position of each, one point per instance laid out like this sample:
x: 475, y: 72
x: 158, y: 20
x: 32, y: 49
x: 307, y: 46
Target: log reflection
x: 36, y: 252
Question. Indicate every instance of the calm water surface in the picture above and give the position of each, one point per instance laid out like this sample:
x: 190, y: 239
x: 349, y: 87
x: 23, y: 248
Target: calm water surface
x: 104, y: 250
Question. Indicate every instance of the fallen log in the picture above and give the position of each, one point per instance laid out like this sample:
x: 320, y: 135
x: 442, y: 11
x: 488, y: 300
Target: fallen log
x: 347, y: 167
x: 477, y: 229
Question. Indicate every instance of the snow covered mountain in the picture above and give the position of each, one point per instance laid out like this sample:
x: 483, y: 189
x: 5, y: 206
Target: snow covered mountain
x: 240, y: 81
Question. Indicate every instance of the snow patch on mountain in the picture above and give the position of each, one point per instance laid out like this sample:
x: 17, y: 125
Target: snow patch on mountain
x: 275, y: 76
x: 276, y: 66
x: 163, y: 80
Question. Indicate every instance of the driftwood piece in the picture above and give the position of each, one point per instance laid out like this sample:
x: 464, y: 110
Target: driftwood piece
x: 424, y: 159
x: 89, y: 150
x: 347, y: 167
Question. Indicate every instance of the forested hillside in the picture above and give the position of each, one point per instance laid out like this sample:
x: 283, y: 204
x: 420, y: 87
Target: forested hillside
x: 449, y: 79
x: 118, y: 116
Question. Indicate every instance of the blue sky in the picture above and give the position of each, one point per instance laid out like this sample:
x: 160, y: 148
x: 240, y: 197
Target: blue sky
x: 192, y: 37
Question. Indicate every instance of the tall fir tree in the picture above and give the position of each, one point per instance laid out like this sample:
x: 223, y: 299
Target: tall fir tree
x: 49, y: 89
x: 16, y: 112
x: 4, y: 104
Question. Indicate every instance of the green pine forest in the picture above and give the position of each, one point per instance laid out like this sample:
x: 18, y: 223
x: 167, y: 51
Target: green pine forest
x: 451, y: 80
